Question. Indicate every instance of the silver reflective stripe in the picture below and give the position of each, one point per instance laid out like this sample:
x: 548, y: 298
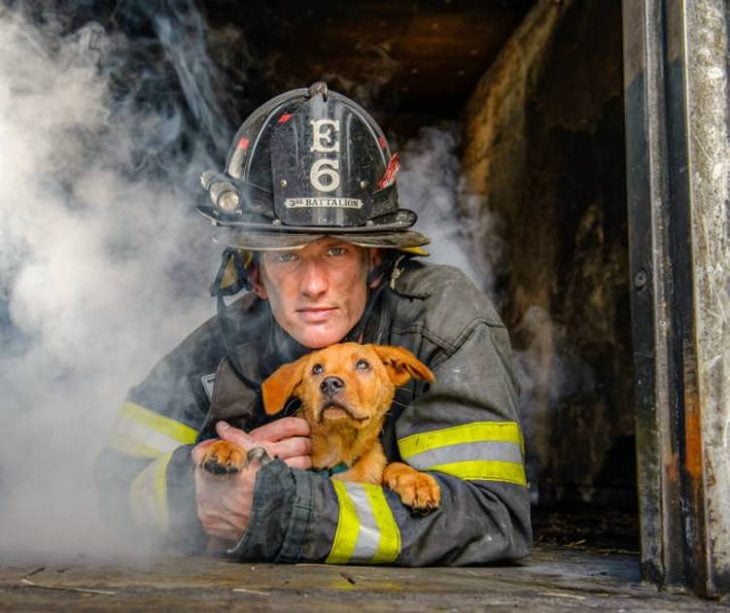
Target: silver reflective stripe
x: 142, y: 433
x: 493, y: 450
x: 366, y: 528
x: 368, y: 538
x: 134, y: 431
x: 476, y: 451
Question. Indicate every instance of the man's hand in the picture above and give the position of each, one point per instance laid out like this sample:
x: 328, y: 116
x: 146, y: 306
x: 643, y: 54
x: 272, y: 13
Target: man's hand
x: 286, y: 438
x: 224, y: 501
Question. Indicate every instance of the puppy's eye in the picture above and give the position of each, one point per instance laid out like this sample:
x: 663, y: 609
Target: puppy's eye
x: 362, y: 365
x: 317, y: 369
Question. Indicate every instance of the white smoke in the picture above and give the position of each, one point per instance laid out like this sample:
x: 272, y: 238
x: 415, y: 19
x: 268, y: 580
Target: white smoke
x: 463, y: 233
x: 467, y: 235
x: 96, y: 271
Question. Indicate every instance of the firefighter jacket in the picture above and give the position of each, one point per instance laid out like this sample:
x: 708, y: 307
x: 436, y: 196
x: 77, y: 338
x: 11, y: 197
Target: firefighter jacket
x: 463, y: 428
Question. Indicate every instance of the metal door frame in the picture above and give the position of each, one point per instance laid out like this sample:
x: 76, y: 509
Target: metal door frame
x: 675, y: 176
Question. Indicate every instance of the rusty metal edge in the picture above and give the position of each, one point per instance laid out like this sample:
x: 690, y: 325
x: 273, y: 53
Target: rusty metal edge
x: 675, y: 547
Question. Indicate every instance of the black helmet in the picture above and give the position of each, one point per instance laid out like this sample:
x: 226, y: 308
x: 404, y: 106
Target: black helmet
x: 309, y: 163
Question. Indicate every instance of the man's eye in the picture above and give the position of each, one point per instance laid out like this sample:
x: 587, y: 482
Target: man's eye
x: 317, y: 369
x: 362, y: 365
x: 286, y: 256
x: 336, y: 251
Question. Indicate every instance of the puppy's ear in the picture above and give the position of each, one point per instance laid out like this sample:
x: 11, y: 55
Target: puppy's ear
x: 402, y: 365
x: 277, y: 388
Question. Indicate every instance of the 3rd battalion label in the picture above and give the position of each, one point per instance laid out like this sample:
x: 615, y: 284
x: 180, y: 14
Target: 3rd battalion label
x: 334, y: 203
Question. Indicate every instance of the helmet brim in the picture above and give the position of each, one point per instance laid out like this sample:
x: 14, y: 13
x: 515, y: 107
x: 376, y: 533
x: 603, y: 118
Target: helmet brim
x: 256, y: 236
x: 252, y: 240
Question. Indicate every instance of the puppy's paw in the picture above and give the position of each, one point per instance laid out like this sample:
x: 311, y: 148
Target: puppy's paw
x: 223, y: 458
x: 418, y: 490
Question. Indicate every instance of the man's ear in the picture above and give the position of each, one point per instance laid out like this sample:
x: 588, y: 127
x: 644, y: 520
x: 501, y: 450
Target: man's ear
x: 402, y: 365
x: 281, y: 384
x: 375, y: 260
x: 254, y: 278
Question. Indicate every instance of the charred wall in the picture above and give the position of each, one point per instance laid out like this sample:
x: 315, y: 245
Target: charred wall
x: 544, y: 146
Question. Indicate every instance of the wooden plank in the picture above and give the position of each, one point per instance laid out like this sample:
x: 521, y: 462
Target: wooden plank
x: 551, y: 579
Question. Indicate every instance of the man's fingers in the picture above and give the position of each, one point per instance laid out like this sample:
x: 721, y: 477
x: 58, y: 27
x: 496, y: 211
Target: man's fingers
x: 290, y: 448
x: 286, y: 439
x: 303, y: 462
x: 283, y: 428
x: 214, y: 526
x: 234, y: 435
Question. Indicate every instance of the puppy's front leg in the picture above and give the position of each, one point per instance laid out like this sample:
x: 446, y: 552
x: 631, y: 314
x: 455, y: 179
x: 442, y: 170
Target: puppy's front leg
x: 418, y: 490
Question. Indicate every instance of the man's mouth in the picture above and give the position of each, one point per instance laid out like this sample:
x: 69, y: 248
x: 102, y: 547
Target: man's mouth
x: 316, y: 314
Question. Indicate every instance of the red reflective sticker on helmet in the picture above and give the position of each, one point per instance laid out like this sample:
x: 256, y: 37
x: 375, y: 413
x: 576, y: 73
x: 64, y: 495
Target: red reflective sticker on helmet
x: 391, y: 170
x: 285, y: 117
x: 382, y: 142
x: 243, y: 143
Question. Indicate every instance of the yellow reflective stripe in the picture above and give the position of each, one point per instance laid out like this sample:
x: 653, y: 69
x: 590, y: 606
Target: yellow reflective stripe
x: 389, y: 545
x: 141, y: 432
x: 348, y: 526
x: 485, y: 470
x: 148, y: 494
x: 366, y: 528
x: 176, y: 430
x: 480, y: 431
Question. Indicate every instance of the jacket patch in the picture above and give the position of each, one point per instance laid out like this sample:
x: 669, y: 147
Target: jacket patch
x: 208, y: 383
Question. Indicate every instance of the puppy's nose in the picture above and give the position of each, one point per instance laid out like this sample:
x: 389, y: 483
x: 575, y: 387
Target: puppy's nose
x: 331, y: 385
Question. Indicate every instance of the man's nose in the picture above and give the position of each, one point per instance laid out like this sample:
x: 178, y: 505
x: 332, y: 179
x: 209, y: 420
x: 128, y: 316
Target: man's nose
x: 314, y: 281
x: 330, y: 386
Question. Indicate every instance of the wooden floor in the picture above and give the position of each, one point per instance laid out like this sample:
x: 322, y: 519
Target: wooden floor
x: 551, y: 579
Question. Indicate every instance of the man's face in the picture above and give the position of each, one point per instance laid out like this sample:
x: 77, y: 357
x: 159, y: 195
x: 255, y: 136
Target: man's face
x: 318, y: 293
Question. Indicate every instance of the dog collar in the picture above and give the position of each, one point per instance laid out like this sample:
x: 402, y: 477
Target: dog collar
x: 331, y: 470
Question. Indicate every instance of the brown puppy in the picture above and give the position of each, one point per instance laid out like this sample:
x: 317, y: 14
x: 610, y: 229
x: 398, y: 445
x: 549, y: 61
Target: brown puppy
x: 346, y: 391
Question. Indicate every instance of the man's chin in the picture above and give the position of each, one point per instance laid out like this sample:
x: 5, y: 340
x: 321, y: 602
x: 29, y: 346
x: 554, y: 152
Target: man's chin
x: 319, y: 338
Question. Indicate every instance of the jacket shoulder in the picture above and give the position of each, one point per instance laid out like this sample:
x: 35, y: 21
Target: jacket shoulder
x: 198, y: 354
x: 442, y: 300
x: 243, y: 317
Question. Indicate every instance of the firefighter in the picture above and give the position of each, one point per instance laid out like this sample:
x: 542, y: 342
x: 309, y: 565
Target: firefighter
x: 308, y: 214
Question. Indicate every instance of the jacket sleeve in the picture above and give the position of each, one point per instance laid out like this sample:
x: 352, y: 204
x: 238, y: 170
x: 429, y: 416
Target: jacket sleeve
x: 143, y: 476
x: 464, y: 430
